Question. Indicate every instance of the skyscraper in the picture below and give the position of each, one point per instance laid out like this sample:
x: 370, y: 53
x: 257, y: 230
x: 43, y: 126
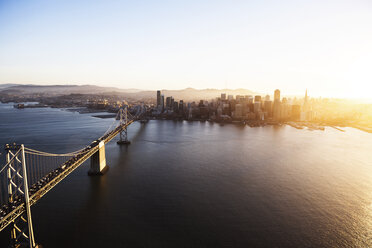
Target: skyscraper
x: 268, y: 107
x: 162, y: 103
x: 238, y: 110
x: 181, y: 107
x: 276, y: 106
x: 168, y: 102
x: 306, y: 104
x: 257, y: 107
x: 223, y: 96
x: 296, y: 112
x: 158, y: 98
x: 277, y: 95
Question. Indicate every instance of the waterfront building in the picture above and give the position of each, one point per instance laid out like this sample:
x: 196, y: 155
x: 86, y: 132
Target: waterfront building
x: 250, y: 99
x: 239, y: 98
x: 203, y: 111
x: 285, y: 110
x: 276, y: 105
x: 307, y: 114
x: 306, y: 104
x: 244, y: 103
x: 168, y: 102
x: 276, y: 110
x: 268, y: 107
x: 181, y: 106
x: 257, y: 107
x: 226, y: 109
x: 257, y: 98
x: 310, y: 115
x: 277, y: 95
x: 296, y: 112
x: 223, y: 96
x: 175, y: 107
x: 219, y: 111
x: 251, y: 116
x: 238, y: 110
x: 303, y: 116
x: 162, y: 103
x: 260, y: 115
x: 158, y: 98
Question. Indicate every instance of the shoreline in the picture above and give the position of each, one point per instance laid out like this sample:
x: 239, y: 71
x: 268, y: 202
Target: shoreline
x: 310, y: 126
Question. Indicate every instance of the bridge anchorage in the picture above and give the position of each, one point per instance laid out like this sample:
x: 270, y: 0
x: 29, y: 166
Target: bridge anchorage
x: 23, y: 184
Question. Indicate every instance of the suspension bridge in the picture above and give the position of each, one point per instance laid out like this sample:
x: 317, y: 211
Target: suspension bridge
x: 29, y: 174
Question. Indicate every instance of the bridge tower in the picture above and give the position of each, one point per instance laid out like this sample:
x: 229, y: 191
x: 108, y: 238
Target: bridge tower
x: 123, y: 122
x: 22, y: 234
x: 98, y: 164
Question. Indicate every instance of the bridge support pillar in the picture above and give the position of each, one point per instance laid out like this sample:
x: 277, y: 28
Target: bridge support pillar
x: 98, y: 161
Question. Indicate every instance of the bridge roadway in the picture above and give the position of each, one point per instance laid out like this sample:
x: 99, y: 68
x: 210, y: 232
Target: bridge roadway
x: 11, y: 212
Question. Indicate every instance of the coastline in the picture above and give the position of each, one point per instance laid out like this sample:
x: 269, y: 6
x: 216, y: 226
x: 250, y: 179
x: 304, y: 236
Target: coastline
x: 106, y: 113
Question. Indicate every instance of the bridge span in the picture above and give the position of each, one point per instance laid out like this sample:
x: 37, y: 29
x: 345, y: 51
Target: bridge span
x: 29, y: 174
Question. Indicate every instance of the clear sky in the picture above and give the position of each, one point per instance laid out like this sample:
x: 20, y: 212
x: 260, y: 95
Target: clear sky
x: 325, y: 46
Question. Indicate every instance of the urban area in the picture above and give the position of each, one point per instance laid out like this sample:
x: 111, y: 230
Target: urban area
x: 251, y: 110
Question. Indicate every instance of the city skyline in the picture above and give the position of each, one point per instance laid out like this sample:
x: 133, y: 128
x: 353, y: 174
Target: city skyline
x: 260, y: 46
x: 237, y: 91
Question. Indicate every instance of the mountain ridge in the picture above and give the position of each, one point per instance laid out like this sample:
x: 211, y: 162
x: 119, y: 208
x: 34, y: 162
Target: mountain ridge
x: 66, y: 89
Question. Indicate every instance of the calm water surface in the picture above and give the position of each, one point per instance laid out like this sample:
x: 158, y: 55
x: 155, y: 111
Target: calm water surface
x: 192, y: 184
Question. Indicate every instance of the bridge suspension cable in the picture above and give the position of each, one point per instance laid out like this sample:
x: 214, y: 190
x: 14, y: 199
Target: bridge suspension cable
x: 112, y: 124
x: 41, y: 153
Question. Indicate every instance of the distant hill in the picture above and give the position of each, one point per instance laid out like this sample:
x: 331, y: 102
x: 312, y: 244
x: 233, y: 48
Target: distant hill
x: 188, y: 94
x: 2, y: 86
x: 57, y: 89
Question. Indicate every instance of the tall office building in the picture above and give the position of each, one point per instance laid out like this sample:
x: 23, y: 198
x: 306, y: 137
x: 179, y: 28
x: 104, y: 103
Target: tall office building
x: 277, y: 95
x: 257, y: 98
x: 158, y: 98
x: 175, y: 106
x: 285, y: 110
x: 268, y: 107
x: 306, y: 104
x: 181, y: 107
x: 239, y: 98
x: 276, y: 105
x: 257, y: 107
x: 162, y: 103
x: 223, y: 96
x: 238, y: 110
x: 307, y: 114
x: 250, y: 99
x: 168, y: 102
x: 296, y: 112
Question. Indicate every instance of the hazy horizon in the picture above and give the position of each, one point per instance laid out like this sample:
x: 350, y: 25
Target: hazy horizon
x: 283, y: 94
